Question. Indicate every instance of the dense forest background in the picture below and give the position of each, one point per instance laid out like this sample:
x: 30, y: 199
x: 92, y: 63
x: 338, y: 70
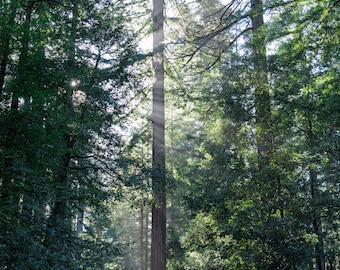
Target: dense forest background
x: 252, y: 134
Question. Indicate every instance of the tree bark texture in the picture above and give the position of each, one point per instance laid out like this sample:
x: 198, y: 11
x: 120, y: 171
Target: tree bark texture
x: 158, y: 237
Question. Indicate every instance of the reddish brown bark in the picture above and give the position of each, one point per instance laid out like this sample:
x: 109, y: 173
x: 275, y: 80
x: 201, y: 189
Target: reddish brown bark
x: 158, y: 237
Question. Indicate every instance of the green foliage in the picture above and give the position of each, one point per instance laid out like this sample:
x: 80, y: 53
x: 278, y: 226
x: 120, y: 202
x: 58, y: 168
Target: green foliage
x: 205, y: 245
x: 265, y: 213
x: 68, y: 83
x: 68, y: 77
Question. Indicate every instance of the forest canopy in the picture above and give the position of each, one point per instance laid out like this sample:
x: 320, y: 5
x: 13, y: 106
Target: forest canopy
x: 170, y: 135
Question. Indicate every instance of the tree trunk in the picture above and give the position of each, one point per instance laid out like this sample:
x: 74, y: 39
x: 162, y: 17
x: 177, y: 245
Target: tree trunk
x: 144, y: 235
x: 12, y: 176
x: 80, y: 219
x: 158, y: 238
x: 5, y: 49
x: 141, y: 222
x: 19, y: 90
x: 59, y: 210
x: 146, y: 244
x: 317, y: 223
x: 261, y: 88
x: 315, y: 199
x: 60, y: 217
x: 268, y: 179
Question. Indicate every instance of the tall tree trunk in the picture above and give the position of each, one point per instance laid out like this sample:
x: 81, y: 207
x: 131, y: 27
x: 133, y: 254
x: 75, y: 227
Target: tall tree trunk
x: 144, y: 235
x: 268, y: 179
x: 146, y: 243
x: 317, y: 223
x: 261, y: 88
x: 5, y: 45
x: 141, y: 222
x: 315, y: 199
x: 60, y: 217
x: 60, y: 205
x: 81, y: 209
x: 12, y: 176
x: 158, y: 238
x: 19, y: 90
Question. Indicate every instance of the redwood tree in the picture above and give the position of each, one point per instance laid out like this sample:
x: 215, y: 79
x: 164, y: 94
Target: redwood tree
x: 158, y: 245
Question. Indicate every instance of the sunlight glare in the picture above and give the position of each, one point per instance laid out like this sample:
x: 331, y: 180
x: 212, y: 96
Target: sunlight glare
x: 75, y: 83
